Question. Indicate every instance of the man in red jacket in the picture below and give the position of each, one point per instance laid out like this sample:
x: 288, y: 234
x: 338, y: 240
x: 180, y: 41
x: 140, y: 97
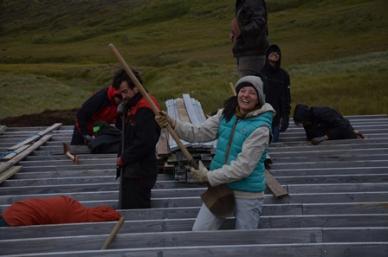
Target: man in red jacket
x: 99, y: 108
x: 137, y: 162
x: 54, y: 210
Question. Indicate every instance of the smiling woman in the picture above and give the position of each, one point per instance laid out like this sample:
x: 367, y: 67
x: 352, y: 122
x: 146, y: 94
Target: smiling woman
x: 247, y: 98
x: 242, y: 130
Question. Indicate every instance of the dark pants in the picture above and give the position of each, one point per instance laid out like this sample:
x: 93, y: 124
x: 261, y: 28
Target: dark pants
x: 275, y: 134
x: 77, y: 138
x: 135, y: 193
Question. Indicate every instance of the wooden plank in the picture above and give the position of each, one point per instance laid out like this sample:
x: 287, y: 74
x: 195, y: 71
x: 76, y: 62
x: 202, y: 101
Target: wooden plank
x: 167, y: 239
x: 183, y: 115
x: 330, y: 171
x: 269, y: 209
x: 277, y: 190
x: 378, y: 249
x: 109, y: 182
x: 22, y: 155
x: 210, y: 238
x: 15, y: 152
x: 194, y: 200
x: 36, y: 137
x: 162, y: 148
x: 9, y: 173
x: 24, y: 142
x: 366, y: 188
x: 174, y: 225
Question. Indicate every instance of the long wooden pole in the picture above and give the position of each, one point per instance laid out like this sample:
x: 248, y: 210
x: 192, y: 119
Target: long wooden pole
x: 113, y: 233
x: 155, y: 109
x: 214, y: 197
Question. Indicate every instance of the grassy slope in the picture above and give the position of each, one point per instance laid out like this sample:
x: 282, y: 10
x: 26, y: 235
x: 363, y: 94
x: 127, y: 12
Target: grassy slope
x: 334, y: 50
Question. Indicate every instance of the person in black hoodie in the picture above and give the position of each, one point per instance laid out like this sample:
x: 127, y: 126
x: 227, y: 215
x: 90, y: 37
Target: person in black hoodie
x: 249, y: 36
x: 323, y: 123
x: 100, y: 107
x: 277, y: 90
x: 137, y: 164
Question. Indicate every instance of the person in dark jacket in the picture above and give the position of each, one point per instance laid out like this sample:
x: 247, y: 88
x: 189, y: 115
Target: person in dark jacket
x: 101, y: 107
x: 323, y: 123
x: 277, y: 90
x: 249, y: 36
x: 137, y: 163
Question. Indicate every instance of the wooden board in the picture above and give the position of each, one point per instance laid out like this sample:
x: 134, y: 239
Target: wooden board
x: 9, y: 173
x: 36, y: 137
x: 22, y: 155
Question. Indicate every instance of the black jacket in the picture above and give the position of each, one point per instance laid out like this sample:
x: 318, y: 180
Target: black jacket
x: 323, y: 121
x: 252, y: 20
x: 141, y: 135
x: 276, y: 87
x: 100, y: 107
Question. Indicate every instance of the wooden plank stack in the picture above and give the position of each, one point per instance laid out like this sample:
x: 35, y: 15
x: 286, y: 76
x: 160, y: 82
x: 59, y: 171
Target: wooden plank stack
x: 338, y: 203
x: 187, y: 109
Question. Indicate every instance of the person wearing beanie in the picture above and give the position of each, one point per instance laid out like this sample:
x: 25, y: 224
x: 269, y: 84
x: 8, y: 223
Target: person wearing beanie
x: 242, y: 129
x: 323, y: 123
x: 249, y: 31
x: 277, y: 90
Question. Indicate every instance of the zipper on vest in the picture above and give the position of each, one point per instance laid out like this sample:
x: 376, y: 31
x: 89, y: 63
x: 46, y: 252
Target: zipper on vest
x: 229, y: 146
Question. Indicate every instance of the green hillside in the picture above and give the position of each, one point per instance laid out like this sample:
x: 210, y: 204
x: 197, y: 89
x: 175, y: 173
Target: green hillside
x: 54, y: 53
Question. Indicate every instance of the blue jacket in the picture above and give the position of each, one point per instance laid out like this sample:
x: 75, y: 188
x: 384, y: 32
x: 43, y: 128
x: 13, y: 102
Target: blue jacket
x: 231, y: 137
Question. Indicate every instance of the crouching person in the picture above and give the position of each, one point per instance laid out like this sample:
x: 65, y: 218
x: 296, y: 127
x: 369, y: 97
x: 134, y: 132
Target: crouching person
x: 100, y: 107
x: 323, y: 123
x: 242, y: 129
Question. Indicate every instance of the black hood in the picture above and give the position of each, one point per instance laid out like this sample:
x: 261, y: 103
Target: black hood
x: 302, y: 113
x: 270, y: 49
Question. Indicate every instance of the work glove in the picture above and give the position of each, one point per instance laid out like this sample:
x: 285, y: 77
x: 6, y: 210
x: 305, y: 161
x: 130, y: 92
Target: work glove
x: 284, y: 123
x: 200, y: 174
x: 163, y: 120
x: 318, y: 140
x: 119, y: 162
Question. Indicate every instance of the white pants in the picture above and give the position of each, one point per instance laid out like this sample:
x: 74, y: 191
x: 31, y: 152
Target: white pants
x: 247, y: 212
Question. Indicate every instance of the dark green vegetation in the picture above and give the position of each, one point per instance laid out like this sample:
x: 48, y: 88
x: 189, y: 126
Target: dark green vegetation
x: 54, y: 53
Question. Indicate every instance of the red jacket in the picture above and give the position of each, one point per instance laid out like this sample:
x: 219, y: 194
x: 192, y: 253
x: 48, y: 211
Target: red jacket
x: 55, y: 210
x: 100, y: 107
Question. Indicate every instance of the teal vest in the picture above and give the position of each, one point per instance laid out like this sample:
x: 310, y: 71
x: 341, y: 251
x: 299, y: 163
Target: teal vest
x: 232, y: 134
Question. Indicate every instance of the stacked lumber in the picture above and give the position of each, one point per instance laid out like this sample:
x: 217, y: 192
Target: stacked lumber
x: 21, y: 150
x: 337, y: 204
x: 187, y: 109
